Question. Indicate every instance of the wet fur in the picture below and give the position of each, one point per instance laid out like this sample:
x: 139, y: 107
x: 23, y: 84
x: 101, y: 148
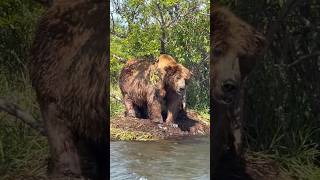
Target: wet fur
x: 68, y: 69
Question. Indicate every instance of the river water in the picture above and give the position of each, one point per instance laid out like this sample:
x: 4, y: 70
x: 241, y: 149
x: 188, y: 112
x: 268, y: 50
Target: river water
x: 184, y: 159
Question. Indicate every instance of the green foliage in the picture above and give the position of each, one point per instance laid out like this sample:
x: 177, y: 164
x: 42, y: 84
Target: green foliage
x: 22, y: 150
x: 17, y: 23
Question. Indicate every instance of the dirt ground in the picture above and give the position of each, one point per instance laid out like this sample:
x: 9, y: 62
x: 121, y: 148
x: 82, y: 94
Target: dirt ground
x: 189, y: 124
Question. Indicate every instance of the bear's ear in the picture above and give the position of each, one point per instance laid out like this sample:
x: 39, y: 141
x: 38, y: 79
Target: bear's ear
x: 186, y: 73
x: 191, y: 73
x: 171, y: 70
x: 248, y: 61
x: 165, y: 61
x: 259, y: 41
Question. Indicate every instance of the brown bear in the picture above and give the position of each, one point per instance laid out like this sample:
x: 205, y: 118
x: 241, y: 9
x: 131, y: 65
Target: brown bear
x: 69, y: 71
x: 236, y: 47
x: 150, y: 88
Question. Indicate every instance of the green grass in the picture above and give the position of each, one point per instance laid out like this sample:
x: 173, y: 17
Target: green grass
x: 116, y: 105
x: 204, y: 114
x: 124, y: 135
x: 23, y: 151
x: 302, y: 166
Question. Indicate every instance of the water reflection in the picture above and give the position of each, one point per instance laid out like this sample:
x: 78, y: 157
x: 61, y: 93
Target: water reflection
x: 187, y: 158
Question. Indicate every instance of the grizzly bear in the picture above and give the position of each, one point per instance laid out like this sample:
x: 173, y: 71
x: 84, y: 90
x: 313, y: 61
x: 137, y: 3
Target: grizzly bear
x: 236, y: 47
x: 69, y: 71
x: 150, y: 88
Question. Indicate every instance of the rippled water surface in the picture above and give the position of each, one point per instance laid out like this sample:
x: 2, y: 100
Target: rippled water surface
x: 185, y: 159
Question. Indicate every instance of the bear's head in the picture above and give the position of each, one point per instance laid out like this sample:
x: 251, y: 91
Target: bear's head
x: 175, y: 75
x: 235, y: 48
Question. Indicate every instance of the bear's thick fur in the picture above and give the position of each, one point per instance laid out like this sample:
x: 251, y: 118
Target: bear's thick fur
x: 69, y: 71
x: 149, y: 88
x: 236, y: 47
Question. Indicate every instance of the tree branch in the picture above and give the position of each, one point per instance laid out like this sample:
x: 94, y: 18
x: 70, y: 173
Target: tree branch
x: 161, y: 15
x: 25, y: 117
x: 121, y: 59
x: 309, y: 56
x: 112, y: 20
x: 116, y: 98
x: 179, y: 17
x: 163, y: 38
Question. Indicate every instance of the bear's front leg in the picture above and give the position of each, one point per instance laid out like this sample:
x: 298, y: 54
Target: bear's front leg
x: 236, y: 125
x: 65, y: 160
x: 173, y: 110
x: 130, y: 110
x: 174, y: 105
x: 154, y: 109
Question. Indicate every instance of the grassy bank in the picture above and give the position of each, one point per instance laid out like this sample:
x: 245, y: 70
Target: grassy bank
x: 23, y: 151
x: 123, y: 135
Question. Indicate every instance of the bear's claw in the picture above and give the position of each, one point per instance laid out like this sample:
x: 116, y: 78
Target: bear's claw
x: 174, y: 125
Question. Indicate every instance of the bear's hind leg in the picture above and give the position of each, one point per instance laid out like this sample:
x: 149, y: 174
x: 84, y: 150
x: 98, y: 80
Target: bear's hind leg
x: 154, y: 110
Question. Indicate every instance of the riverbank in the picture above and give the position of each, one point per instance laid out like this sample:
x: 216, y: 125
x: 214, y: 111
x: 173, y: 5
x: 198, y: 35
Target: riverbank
x: 127, y: 128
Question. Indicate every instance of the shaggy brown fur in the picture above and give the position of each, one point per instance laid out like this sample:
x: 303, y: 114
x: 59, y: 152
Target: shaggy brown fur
x: 148, y: 88
x: 68, y: 69
x: 235, y: 48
